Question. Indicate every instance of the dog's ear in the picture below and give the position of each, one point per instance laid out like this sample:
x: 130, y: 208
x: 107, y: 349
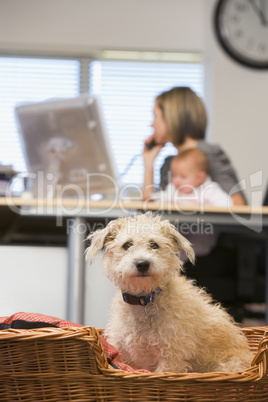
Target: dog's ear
x: 101, y: 237
x: 181, y: 242
x: 185, y: 245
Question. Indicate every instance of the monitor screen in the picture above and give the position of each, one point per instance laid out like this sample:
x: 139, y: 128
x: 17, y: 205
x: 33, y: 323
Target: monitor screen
x: 66, y: 148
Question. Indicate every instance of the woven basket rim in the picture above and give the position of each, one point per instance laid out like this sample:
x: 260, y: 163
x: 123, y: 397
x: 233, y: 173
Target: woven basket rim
x: 90, y: 334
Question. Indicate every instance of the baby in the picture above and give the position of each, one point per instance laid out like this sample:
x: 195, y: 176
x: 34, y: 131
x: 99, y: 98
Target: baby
x: 191, y: 185
x: 190, y: 182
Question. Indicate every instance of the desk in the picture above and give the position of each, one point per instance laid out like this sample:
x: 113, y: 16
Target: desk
x: 239, y: 219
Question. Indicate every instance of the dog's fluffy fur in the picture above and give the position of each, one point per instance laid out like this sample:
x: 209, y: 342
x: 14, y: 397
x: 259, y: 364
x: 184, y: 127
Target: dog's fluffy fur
x: 182, y: 330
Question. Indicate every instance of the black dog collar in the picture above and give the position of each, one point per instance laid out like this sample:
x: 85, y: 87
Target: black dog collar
x: 140, y: 300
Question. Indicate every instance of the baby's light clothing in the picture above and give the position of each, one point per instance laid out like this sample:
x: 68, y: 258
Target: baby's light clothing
x: 208, y: 193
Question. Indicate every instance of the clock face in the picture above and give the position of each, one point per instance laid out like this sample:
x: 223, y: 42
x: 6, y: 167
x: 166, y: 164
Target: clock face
x: 242, y: 29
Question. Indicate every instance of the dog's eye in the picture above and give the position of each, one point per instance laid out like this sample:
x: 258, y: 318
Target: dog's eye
x: 153, y: 245
x: 127, y: 245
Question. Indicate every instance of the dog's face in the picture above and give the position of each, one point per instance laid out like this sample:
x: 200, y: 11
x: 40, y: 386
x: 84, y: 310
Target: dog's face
x: 141, y: 252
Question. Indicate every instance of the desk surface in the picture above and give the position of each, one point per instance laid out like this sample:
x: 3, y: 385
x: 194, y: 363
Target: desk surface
x: 70, y: 203
x: 251, y: 217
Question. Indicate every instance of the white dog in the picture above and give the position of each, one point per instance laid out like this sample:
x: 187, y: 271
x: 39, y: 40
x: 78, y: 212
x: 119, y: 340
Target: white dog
x: 160, y: 321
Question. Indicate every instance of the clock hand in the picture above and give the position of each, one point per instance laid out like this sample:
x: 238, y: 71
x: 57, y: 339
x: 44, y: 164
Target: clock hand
x: 259, y: 12
x: 263, y: 8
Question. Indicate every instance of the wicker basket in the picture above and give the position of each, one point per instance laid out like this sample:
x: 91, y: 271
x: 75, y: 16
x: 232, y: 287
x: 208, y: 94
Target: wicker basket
x: 69, y: 364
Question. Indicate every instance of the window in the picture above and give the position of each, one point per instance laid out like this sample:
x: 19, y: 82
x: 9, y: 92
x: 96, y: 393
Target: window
x: 127, y: 90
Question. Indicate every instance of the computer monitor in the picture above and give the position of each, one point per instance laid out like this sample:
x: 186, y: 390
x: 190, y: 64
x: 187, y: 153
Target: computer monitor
x: 66, y: 148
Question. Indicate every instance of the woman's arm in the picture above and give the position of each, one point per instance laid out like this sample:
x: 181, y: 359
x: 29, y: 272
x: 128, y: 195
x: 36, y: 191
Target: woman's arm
x: 148, y: 182
x: 149, y: 156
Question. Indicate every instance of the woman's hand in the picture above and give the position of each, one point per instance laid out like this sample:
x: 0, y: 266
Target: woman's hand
x: 149, y: 140
x: 238, y: 199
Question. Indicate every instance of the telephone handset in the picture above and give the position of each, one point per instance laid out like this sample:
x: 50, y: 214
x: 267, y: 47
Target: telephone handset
x: 151, y: 144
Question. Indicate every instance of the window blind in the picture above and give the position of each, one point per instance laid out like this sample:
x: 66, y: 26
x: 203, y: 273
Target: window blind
x: 30, y: 80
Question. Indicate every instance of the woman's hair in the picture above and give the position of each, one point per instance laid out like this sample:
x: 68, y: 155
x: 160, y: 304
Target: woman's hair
x: 184, y: 113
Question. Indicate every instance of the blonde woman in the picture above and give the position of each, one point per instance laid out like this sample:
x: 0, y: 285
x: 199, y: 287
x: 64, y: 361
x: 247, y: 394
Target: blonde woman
x: 180, y: 118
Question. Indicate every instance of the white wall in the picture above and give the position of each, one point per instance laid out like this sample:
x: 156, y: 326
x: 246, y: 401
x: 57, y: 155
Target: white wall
x: 34, y: 280
x: 98, y: 295
x: 83, y: 25
x: 237, y: 103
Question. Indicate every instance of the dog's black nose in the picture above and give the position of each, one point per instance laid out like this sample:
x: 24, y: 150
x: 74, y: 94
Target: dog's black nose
x: 142, y: 266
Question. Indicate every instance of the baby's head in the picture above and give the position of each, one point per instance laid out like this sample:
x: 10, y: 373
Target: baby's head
x: 189, y: 170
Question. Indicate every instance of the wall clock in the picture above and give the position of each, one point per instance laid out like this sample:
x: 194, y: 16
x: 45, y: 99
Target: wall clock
x: 241, y: 27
